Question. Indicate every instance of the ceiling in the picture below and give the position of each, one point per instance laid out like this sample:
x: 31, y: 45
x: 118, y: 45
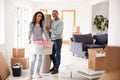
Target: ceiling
x: 86, y: 1
x: 56, y: 0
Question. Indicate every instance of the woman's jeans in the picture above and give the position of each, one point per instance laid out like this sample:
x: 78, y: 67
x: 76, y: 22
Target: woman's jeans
x: 33, y: 59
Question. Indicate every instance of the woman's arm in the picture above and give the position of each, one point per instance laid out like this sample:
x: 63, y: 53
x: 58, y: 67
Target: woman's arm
x: 30, y: 29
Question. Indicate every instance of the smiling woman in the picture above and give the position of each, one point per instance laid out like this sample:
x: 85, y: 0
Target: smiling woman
x: 1, y: 21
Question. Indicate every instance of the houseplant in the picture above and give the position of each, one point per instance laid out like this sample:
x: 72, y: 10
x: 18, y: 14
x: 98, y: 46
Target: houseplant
x: 101, y: 23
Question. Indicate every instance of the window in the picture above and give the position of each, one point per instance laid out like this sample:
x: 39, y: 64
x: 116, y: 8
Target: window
x: 23, y: 19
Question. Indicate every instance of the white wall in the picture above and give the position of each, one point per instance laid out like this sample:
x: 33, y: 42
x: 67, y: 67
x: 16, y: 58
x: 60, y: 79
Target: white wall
x: 114, y: 28
x: 99, y: 9
x: 2, y: 44
x: 1, y: 21
x: 83, y: 11
x: 93, y: 2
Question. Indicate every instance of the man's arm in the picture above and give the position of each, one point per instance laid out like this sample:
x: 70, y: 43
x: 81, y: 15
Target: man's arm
x: 59, y: 29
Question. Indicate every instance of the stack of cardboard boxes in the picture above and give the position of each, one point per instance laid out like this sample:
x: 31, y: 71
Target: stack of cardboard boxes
x: 76, y: 30
x: 19, y: 57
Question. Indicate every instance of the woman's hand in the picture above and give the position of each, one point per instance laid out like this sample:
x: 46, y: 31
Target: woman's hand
x: 29, y: 41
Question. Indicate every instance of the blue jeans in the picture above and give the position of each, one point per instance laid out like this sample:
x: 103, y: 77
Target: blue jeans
x: 56, y: 53
x: 33, y: 59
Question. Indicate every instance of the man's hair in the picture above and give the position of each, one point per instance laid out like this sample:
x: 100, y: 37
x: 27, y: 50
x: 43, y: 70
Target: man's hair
x: 55, y: 11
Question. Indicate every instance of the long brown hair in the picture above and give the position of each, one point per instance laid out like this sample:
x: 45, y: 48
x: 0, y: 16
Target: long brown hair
x: 41, y: 21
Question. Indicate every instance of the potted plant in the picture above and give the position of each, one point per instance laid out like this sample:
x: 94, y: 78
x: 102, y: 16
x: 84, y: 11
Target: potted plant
x: 101, y: 23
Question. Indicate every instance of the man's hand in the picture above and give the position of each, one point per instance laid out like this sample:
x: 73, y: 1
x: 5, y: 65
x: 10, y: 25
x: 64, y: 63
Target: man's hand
x: 47, y: 28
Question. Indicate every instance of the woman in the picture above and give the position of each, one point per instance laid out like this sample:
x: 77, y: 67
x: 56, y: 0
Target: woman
x: 36, y: 30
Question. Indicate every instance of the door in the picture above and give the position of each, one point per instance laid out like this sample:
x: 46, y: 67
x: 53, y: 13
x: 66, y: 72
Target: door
x: 69, y: 19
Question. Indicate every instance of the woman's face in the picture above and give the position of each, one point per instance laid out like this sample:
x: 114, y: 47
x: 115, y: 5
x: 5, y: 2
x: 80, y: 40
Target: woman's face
x: 38, y: 17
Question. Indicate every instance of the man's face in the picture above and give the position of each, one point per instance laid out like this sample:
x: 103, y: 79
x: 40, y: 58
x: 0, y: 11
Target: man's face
x: 55, y: 15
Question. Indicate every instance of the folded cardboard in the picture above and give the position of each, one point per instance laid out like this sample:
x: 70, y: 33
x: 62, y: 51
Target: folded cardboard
x: 47, y: 20
x: 96, y: 63
x: 18, y: 52
x: 23, y: 61
x: 4, y: 70
x: 46, y: 63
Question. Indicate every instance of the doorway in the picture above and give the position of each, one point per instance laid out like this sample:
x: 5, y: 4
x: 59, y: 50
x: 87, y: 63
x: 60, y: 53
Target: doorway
x: 69, y: 19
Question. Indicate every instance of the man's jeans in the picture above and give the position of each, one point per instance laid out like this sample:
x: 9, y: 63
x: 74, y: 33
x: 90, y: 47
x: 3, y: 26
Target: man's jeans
x: 56, y: 53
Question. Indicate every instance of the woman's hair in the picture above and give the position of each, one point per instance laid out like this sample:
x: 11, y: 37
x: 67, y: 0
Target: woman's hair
x: 41, y: 21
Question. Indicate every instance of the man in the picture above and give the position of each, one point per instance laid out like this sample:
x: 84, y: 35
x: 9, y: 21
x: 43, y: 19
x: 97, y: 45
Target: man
x: 56, y: 36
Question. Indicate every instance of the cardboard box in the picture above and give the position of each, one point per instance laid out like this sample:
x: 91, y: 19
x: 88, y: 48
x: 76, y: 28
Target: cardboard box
x: 112, y: 63
x: 23, y: 61
x: 0, y: 77
x: 18, y: 52
x: 96, y: 63
x: 113, y: 75
x: 112, y: 60
x: 4, y: 70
